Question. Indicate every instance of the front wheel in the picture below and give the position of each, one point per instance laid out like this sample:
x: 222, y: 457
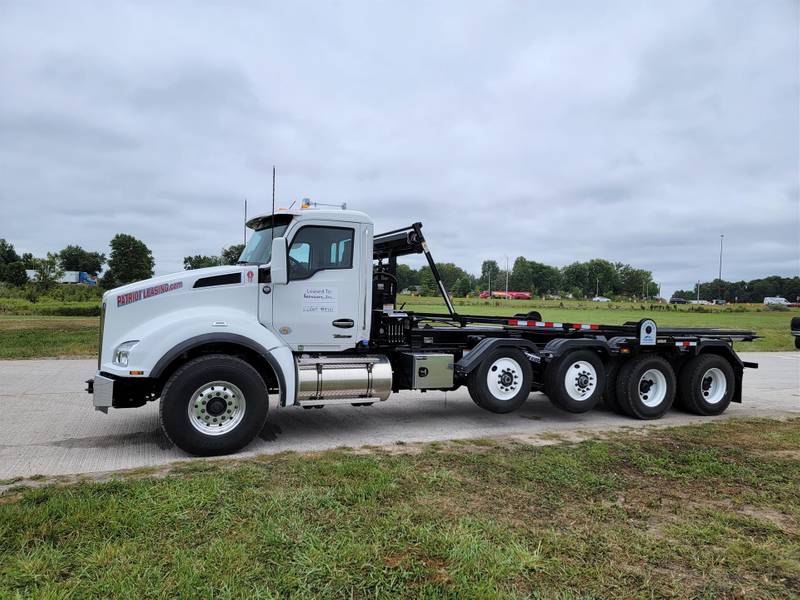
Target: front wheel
x: 213, y: 405
x: 502, y: 381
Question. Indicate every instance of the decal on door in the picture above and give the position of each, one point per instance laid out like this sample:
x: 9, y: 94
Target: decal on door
x: 319, y: 300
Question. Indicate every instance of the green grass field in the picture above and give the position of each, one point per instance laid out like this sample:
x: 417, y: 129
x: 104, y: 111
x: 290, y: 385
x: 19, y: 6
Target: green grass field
x: 708, y: 511
x: 32, y: 336
x: 35, y: 337
x: 772, y: 325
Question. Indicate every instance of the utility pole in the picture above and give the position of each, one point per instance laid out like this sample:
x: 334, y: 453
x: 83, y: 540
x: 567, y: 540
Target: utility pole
x: 721, y: 237
x: 597, y: 286
x: 698, y: 290
x: 506, y: 277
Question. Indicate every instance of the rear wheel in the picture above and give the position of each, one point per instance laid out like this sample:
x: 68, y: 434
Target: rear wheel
x: 797, y: 342
x: 575, y: 381
x: 646, y: 387
x: 707, y: 384
x: 610, y: 391
x: 213, y: 405
x: 502, y: 381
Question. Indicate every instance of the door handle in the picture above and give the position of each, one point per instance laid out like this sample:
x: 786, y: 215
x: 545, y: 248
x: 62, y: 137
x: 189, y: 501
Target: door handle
x: 343, y: 323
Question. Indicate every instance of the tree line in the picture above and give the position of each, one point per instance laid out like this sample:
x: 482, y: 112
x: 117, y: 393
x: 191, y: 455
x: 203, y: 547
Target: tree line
x: 579, y: 279
x: 129, y: 260
x: 753, y: 291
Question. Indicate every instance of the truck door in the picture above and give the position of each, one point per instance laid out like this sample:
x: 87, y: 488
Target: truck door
x: 318, y: 308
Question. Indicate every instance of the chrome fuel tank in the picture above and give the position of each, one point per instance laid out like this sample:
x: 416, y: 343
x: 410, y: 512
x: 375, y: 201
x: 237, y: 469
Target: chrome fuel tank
x: 340, y: 379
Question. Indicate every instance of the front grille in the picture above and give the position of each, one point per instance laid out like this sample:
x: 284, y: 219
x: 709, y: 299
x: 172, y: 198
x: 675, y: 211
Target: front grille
x: 100, y: 341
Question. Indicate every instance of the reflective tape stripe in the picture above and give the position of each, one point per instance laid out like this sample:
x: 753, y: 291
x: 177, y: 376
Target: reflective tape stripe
x: 516, y: 323
x: 685, y: 344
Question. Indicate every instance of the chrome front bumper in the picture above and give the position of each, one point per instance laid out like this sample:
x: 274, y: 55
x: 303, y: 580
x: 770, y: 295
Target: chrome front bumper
x: 102, y: 390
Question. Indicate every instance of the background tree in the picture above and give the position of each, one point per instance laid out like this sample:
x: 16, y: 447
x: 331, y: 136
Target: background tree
x: 427, y: 283
x: 198, y: 261
x: 75, y: 258
x: 406, y: 277
x: 27, y: 260
x: 131, y: 260
x: 462, y: 287
x: 14, y: 273
x: 231, y: 254
x: 490, y: 272
x: 48, y: 271
x: 7, y: 253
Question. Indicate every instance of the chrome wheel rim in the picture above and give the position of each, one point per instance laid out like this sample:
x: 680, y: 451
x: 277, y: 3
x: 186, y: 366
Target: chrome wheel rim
x: 504, y: 378
x: 216, y: 408
x: 580, y: 380
x: 713, y: 386
x: 652, y: 388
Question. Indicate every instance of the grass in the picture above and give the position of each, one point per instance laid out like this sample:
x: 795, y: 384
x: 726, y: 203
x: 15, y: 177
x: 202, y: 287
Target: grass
x: 34, y: 337
x: 773, y: 326
x: 705, y: 511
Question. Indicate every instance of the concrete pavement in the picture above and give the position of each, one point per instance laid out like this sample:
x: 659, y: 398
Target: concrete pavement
x: 49, y: 426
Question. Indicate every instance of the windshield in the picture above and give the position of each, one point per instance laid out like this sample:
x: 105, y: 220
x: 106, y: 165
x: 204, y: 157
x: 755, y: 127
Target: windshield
x: 258, y: 250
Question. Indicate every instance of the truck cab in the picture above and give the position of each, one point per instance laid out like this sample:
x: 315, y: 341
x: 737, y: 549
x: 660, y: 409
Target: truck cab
x: 308, y: 317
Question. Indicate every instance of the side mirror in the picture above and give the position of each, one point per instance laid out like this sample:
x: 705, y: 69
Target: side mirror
x: 279, y: 269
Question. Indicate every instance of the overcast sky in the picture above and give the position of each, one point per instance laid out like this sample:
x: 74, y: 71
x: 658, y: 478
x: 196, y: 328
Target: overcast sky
x: 563, y: 131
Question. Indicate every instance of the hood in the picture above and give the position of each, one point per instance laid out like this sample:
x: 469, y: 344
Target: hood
x: 179, y: 280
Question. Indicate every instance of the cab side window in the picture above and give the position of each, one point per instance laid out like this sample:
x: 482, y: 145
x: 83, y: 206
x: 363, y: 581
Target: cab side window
x: 317, y: 248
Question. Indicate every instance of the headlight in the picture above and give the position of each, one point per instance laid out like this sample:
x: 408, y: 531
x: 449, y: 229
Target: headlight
x: 122, y: 351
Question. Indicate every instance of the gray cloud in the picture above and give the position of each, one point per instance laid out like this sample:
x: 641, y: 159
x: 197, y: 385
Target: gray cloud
x: 558, y: 132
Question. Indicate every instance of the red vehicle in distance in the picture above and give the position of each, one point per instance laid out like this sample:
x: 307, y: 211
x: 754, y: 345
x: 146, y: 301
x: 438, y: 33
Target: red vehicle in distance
x: 507, y: 295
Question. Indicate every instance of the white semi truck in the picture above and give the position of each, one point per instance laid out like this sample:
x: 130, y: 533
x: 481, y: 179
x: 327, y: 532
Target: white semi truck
x: 309, y: 316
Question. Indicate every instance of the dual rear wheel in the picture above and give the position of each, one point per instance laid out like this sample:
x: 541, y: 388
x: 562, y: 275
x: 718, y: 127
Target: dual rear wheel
x: 643, y: 387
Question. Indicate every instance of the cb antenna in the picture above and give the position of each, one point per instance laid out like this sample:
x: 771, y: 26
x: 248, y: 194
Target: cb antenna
x: 244, y: 235
x: 272, y: 229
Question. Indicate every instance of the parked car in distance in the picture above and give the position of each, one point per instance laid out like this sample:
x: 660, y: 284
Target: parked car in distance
x: 719, y: 302
x: 601, y: 299
x: 776, y: 300
x: 678, y: 301
x: 706, y: 302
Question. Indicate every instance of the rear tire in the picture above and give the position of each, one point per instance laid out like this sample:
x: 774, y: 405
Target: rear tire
x: 646, y: 387
x: 502, y: 381
x: 575, y: 381
x: 797, y: 342
x: 707, y: 384
x: 213, y: 405
x: 610, y: 391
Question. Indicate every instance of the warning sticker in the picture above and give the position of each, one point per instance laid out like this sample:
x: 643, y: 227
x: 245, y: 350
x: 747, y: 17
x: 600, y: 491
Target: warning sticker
x: 319, y: 300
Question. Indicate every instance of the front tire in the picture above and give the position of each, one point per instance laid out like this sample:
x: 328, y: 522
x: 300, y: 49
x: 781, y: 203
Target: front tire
x: 213, y: 405
x: 502, y: 381
x: 575, y: 381
x: 706, y: 385
x: 646, y: 387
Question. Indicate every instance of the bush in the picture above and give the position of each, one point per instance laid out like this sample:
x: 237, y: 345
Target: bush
x: 74, y: 293
x: 21, y: 306
x: 776, y: 307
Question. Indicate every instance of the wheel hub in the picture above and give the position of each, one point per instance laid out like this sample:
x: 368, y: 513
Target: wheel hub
x: 580, y: 380
x: 504, y: 378
x: 216, y: 408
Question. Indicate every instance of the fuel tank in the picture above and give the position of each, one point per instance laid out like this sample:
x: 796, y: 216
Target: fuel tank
x: 343, y: 379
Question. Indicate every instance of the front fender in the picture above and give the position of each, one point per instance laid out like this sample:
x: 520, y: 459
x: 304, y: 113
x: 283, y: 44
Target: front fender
x: 163, y: 339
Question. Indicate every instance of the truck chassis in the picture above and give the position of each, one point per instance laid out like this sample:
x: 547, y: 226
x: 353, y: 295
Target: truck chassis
x: 637, y: 368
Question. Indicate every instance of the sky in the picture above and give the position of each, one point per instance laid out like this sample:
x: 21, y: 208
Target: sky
x: 559, y: 131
